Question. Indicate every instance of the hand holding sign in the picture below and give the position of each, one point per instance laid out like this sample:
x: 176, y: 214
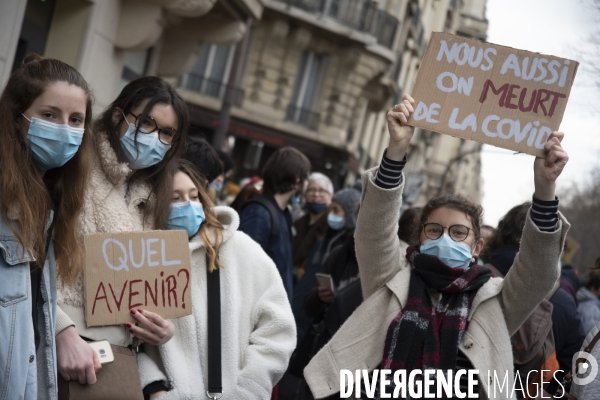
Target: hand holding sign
x: 493, y: 94
x: 547, y: 170
x: 153, y: 328
x: 400, y: 133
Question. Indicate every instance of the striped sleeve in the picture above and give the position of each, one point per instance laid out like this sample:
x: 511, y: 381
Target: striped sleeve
x: 544, y: 214
x: 389, y: 174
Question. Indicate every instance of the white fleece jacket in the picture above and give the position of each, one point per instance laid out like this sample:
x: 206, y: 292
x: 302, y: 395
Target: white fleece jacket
x: 110, y: 205
x: 257, y: 325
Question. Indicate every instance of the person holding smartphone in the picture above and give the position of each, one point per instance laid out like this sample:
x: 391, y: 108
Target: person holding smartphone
x: 45, y: 145
x: 136, y: 140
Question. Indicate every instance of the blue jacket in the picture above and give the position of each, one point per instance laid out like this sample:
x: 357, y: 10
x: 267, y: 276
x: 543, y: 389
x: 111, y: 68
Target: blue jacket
x: 255, y: 221
x: 23, y: 373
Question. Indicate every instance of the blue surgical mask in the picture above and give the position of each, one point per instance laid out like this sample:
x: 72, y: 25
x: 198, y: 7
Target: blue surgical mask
x: 149, y: 150
x: 217, y: 185
x: 186, y: 216
x: 295, y: 200
x: 453, y: 254
x: 335, y: 222
x: 52, y: 145
x: 315, y: 208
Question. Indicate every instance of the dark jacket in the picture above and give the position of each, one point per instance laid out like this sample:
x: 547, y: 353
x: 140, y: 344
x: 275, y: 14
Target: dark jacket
x: 305, y: 238
x: 255, y: 221
x: 308, y: 281
x: 343, y: 268
x: 566, y: 326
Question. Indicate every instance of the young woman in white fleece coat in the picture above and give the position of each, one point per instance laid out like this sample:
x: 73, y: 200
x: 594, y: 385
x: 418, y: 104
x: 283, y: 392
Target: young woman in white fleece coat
x: 258, y: 332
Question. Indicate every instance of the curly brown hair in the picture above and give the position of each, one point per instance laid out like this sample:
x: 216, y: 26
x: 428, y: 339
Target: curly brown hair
x: 457, y: 202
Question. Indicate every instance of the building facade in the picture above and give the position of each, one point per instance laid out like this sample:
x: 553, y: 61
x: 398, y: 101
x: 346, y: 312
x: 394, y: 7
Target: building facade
x: 112, y: 42
x: 315, y: 74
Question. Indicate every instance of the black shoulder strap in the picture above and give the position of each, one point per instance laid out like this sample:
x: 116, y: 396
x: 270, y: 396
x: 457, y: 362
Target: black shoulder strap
x: 274, y: 216
x: 213, y: 284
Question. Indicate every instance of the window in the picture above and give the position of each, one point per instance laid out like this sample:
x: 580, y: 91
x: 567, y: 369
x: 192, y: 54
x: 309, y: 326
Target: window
x: 135, y: 65
x: 210, y: 73
x: 306, y: 90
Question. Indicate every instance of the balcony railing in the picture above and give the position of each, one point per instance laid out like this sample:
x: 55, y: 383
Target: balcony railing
x: 362, y: 15
x: 211, y: 88
x: 301, y: 116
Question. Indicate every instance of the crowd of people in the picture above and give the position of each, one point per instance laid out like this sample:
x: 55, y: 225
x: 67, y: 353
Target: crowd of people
x: 312, y: 280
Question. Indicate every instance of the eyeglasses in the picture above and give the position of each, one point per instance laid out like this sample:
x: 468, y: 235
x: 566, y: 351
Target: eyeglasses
x: 148, y: 125
x: 321, y: 192
x: 434, y: 231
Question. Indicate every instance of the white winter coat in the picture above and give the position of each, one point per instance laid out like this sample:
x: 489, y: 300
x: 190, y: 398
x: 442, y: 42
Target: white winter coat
x: 257, y: 325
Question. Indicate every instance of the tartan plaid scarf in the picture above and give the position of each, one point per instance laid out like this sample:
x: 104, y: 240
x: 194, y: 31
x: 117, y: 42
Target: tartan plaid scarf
x: 414, y: 339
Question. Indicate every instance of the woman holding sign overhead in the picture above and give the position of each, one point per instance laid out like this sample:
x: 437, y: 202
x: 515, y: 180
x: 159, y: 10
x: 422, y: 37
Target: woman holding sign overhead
x: 257, y: 334
x: 45, y: 144
x: 434, y: 308
x: 137, y: 139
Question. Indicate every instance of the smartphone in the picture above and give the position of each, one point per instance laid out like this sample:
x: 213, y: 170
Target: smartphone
x: 325, y: 280
x: 104, y: 351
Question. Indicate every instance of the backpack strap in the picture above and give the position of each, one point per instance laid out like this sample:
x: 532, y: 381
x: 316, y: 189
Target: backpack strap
x: 213, y: 285
x: 263, y: 201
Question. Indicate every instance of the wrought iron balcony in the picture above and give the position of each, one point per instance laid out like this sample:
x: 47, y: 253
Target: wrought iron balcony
x: 301, y: 116
x: 211, y: 88
x: 361, y: 15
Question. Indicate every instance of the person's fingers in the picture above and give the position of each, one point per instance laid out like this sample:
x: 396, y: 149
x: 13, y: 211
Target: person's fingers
x: 65, y: 375
x: 90, y: 375
x: 409, y: 106
x: 398, y: 116
x: 409, y: 98
x: 155, y: 318
x: 97, y: 364
x: 556, y: 134
x: 143, y: 320
x: 404, y: 110
x: 82, y: 375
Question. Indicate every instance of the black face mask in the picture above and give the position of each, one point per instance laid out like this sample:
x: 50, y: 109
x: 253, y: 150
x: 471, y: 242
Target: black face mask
x: 315, y: 208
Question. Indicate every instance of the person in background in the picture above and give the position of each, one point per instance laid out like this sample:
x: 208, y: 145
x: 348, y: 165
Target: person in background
x: 501, y: 251
x: 45, y: 135
x: 589, y: 302
x: 569, y: 278
x: 138, y: 137
x: 225, y: 188
x: 434, y: 307
x: 252, y: 189
x: 311, y: 227
x: 258, y: 333
x: 200, y: 153
x: 284, y: 176
x: 341, y: 221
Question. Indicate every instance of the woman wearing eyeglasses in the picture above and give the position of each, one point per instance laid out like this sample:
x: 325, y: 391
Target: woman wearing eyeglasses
x: 434, y: 308
x: 137, y: 139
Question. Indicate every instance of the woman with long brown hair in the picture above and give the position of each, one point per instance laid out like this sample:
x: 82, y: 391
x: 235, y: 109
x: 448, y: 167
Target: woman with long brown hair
x: 258, y: 333
x: 45, y: 136
x: 136, y: 141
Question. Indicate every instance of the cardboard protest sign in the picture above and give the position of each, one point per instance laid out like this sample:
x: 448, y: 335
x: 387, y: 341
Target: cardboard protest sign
x: 142, y: 270
x: 491, y: 94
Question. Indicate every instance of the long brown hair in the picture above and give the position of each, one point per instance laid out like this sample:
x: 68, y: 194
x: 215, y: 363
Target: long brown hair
x: 150, y: 90
x: 209, y: 211
x: 23, y: 192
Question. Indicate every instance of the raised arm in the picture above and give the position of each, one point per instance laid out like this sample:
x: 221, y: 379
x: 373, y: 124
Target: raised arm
x: 377, y: 243
x: 535, y: 270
